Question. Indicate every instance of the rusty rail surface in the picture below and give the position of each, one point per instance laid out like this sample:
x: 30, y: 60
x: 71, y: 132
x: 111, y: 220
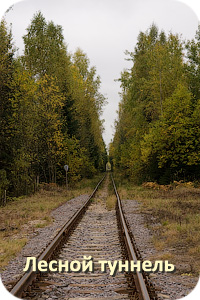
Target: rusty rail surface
x: 139, y: 279
x: 27, y: 279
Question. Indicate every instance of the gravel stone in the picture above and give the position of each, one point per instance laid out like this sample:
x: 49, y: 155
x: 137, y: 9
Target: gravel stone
x: 39, y: 239
x: 168, y: 285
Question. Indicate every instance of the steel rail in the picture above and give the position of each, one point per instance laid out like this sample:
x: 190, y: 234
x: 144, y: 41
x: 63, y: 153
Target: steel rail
x: 28, y: 278
x: 140, y: 282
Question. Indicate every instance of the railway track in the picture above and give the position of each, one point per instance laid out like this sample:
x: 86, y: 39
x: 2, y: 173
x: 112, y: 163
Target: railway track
x: 94, y: 231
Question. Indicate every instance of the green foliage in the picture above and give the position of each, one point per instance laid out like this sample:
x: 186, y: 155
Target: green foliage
x: 44, y: 46
x: 193, y: 64
x: 88, y: 103
x: 50, y: 111
x: 171, y: 138
x: 76, y: 158
x: 6, y: 75
x: 157, y: 130
x: 4, y: 183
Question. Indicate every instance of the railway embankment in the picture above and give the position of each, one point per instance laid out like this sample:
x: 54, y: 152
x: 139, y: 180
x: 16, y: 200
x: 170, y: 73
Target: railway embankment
x: 165, y: 225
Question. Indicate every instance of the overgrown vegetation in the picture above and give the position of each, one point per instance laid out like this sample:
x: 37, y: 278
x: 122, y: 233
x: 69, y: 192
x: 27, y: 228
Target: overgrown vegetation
x: 50, y: 108
x: 158, y: 130
x: 173, y: 217
x: 25, y: 214
x: 111, y: 202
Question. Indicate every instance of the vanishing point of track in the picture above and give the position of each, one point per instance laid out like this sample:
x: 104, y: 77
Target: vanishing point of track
x: 93, y: 231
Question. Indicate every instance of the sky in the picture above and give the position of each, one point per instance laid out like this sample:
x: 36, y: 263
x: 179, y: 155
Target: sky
x: 104, y: 29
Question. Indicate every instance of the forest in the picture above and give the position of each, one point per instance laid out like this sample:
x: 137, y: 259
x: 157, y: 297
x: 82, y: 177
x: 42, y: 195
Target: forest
x: 157, y: 133
x: 50, y: 109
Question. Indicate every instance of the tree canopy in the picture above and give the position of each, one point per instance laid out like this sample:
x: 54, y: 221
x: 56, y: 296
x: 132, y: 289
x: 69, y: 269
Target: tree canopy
x: 50, y: 110
x: 157, y: 131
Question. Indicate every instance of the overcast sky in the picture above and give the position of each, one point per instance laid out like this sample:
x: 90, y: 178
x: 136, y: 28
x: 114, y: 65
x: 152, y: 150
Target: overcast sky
x: 104, y: 29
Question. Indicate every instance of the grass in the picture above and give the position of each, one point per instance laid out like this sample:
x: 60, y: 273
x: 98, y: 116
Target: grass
x: 9, y: 248
x: 24, y: 214
x: 176, y: 219
x: 111, y: 202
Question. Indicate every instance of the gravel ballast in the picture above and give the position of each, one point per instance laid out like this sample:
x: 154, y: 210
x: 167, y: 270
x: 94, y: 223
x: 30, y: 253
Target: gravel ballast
x: 40, y: 238
x: 168, y: 285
